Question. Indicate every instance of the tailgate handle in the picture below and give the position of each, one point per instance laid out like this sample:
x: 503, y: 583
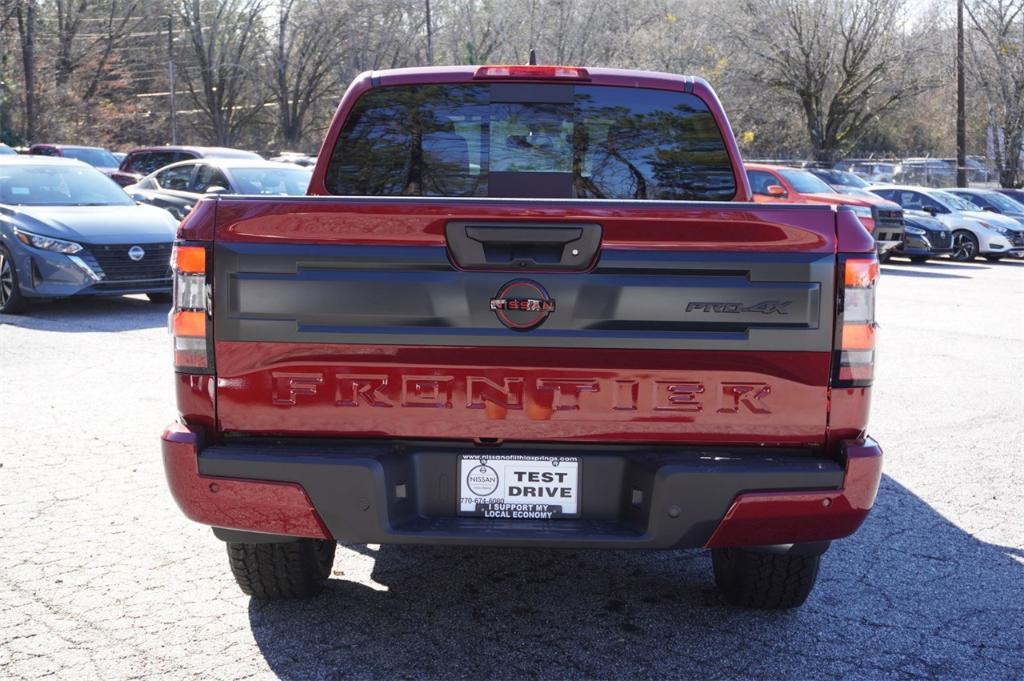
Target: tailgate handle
x: 523, y: 246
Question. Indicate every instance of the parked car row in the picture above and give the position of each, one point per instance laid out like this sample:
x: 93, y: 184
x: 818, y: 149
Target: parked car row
x: 975, y: 230
x: 928, y: 172
x: 128, y: 168
x: 961, y: 223
x: 68, y: 229
x: 178, y: 186
x: 772, y: 184
x: 141, y: 162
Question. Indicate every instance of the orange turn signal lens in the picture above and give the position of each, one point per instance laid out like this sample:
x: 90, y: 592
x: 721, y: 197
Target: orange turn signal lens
x: 861, y: 272
x: 189, y: 323
x: 858, y: 336
x: 189, y: 259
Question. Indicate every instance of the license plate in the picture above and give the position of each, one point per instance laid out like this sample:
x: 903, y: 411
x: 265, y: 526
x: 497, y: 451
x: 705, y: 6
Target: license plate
x: 519, y: 487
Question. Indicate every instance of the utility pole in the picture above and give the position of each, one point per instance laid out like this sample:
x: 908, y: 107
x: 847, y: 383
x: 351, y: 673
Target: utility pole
x: 170, y: 79
x: 961, y: 118
x: 430, y: 37
x: 26, y: 13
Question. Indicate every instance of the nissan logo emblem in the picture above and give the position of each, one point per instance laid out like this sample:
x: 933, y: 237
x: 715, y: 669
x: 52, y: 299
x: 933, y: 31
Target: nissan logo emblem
x: 136, y: 253
x: 522, y: 304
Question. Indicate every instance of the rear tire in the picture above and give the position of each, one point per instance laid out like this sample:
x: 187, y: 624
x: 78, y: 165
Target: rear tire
x: 11, y: 300
x: 764, y: 581
x: 275, y: 571
x: 993, y: 258
x: 919, y: 259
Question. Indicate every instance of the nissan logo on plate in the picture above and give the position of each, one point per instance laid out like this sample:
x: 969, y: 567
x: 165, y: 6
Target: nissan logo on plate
x: 522, y: 304
x: 136, y: 253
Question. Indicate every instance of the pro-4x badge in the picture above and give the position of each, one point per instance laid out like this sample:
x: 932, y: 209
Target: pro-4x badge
x: 522, y: 304
x: 764, y: 307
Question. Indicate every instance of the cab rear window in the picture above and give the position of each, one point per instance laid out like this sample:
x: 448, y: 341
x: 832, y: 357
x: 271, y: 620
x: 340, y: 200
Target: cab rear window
x: 529, y: 140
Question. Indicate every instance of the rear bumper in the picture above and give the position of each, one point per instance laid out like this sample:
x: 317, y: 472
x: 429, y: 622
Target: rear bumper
x: 664, y: 497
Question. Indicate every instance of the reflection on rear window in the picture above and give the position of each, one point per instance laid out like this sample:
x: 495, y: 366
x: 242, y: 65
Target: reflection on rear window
x: 604, y: 142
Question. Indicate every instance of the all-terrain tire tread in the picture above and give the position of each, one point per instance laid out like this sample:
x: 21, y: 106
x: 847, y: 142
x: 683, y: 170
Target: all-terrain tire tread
x: 296, y: 569
x: 763, y: 580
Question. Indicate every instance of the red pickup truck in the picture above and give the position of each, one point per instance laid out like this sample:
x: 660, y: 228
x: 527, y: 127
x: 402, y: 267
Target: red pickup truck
x: 525, y: 306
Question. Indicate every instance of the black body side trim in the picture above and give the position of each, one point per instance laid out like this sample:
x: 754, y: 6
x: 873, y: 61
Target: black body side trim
x: 401, y: 295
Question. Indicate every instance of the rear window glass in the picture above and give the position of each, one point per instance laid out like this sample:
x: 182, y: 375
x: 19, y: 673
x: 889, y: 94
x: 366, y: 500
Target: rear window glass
x: 535, y: 141
x: 98, y: 158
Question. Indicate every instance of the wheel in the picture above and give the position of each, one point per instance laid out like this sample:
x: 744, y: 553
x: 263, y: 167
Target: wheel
x: 993, y: 258
x: 919, y: 259
x: 274, y: 571
x: 11, y: 300
x: 965, y: 246
x: 162, y: 298
x: 764, y: 580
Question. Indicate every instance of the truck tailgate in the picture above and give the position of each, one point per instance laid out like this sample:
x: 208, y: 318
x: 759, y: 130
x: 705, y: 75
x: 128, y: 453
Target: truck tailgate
x: 375, y: 317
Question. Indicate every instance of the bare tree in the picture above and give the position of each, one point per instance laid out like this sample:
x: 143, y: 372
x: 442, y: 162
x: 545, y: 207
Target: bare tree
x: 483, y: 32
x: 8, y: 8
x: 380, y: 36
x: 69, y: 14
x: 844, y: 62
x: 227, y: 44
x: 997, y: 62
x: 589, y: 32
x: 25, y: 12
x: 302, y: 59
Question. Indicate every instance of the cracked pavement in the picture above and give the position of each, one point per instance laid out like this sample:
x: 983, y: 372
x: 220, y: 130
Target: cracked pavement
x: 102, y: 577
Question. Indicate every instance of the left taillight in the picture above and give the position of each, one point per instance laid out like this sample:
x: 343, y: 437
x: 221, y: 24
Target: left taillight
x: 190, y: 321
x: 854, y: 364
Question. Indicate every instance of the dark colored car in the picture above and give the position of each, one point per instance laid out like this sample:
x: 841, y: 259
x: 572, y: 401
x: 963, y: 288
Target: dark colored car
x: 67, y: 230
x: 145, y: 160
x: 1015, y: 194
x: 296, y: 158
x: 924, y: 237
x: 178, y: 186
x: 976, y: 170
x: 873, y: 171
x: 519, y: 309
x: 991, y: 201
x: 98, y: 157
x: 926, y: 172
x: 842, y: 181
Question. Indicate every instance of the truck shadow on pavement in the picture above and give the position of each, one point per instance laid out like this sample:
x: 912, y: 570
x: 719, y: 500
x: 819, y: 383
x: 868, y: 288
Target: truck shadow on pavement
x: 909, y: 594
x: 101, y: 314
x: 889, y: 271
x: 938, y: 264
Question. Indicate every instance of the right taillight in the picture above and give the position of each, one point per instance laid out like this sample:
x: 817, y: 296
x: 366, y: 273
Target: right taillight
x: 854, y: 364
x: 190, y: 320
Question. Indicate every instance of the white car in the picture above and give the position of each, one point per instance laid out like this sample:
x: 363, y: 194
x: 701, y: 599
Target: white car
x: 975, y: 232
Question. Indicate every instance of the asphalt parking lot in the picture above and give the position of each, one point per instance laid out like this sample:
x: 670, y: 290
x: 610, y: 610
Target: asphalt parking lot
x: 101, y: 576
